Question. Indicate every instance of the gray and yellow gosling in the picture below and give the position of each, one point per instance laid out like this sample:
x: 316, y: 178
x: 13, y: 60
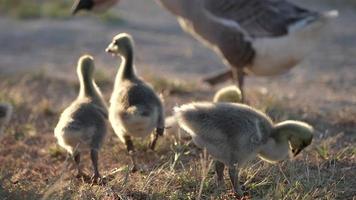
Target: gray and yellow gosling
x: 235, y: 133
x: 135, y: 109
x: 82, y: 125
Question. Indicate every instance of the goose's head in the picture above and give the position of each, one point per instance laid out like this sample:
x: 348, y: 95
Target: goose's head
x: 93, y: 5
x: 299, y: 134
x: 121, y: 45
x: 228, y: 94
x: 85, y: 66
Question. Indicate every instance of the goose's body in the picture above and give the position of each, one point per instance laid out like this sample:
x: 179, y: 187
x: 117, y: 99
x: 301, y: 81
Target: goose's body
x: 82, y: 125
x: 5, y: 115
x: 235, y: 133
x: 253, y: 37
x: 135, y: 109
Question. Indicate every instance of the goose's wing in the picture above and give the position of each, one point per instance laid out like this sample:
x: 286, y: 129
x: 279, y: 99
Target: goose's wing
x: 260, y: 18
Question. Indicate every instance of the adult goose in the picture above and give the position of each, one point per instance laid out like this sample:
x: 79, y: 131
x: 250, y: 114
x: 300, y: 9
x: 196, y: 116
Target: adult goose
x: 82, y: 125
x: 135, y: 109
x: 234, y: 133
x: 253, y: 37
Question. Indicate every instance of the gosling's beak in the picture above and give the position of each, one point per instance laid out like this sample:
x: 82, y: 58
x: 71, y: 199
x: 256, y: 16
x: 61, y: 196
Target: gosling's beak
x: 112, y: 48
x: 296, y: 152
x: 82, y: 5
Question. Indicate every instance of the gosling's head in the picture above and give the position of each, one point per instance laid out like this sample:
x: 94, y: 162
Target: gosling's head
x: 228, y: 94
x: 120, y: 45
x: 300, y: 135
x: 85, y: 66
x: 93, y: 5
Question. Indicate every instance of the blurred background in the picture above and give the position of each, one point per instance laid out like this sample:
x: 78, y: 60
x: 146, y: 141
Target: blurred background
x: 42, y: 36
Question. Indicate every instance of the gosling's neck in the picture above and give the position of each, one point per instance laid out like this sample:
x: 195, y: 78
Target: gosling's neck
x: 274, y: 150
x: 88, y: 87
x: 277, y: 147
x: 126, y: 70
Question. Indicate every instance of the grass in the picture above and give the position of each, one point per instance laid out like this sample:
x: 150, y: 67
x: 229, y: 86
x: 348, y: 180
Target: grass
x: 35, y: 9
x: 33, y: 166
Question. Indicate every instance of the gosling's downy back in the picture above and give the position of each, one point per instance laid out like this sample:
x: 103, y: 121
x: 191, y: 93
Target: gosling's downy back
x: 230, y: 94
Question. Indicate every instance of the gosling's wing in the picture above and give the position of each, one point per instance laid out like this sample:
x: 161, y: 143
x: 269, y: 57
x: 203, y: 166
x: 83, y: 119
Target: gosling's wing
x: 260, y: 18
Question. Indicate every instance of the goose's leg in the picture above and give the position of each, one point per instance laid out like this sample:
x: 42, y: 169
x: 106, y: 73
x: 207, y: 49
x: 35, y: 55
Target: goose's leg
x: 218, y: 77
x: 76, y: 158
x: 159, y: 132
x: 94, y: 160
x: 234, y: 177
x: 238, y: 75
x: 219, y: 173
x: 131, y: 150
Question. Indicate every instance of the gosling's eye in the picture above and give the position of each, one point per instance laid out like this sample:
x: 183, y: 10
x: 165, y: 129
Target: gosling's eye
x: 293, y: 150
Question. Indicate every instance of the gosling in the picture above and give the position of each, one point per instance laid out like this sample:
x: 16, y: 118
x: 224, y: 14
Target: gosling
x: 230, y: 94
x: 5, y: 115
x: 82, y: 125
x: 235, y: 133
x: 135, y: 109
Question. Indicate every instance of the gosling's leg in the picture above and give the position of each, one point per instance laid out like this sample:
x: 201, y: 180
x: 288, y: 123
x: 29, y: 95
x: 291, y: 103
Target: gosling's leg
x: 219, y: 173
x: 234, y: 177
x: 238, y: 76
x: 94, y: 160
x: 218, y: 77
x: 76, y: 157
x: 131, y: 150
x: 159, y: 132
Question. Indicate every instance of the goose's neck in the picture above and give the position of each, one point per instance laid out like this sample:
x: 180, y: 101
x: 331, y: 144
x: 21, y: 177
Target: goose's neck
x: 180, y: 8
x: 126, y: 70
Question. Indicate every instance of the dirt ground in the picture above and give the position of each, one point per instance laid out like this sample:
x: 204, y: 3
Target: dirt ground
x: 321, y: 90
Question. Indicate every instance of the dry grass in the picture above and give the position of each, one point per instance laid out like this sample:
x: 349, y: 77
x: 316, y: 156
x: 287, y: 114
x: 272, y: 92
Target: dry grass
x: 34, y: 167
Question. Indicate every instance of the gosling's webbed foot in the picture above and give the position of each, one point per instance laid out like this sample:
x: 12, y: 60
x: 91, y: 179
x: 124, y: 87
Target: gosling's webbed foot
x: 233, y: 174
x: 83, y: 177
x: 134, y: 169
x: 96, y: 179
